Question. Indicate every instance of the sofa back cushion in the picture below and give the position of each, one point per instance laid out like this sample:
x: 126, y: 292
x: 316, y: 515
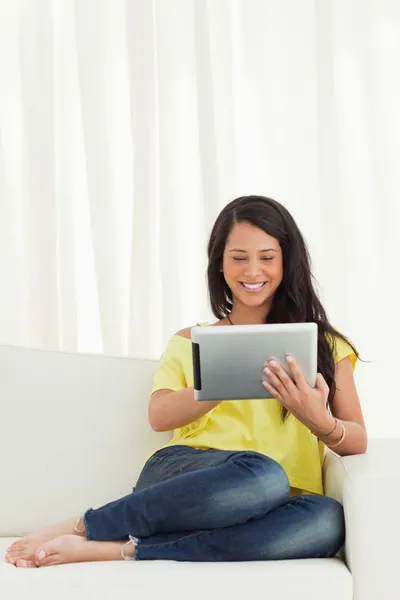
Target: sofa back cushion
x: 74, y: 433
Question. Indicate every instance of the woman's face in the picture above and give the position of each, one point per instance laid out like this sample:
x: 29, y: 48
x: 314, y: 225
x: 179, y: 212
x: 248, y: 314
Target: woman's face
x: 252, y: 257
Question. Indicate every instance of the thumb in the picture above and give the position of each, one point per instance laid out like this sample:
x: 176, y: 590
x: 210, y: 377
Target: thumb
x: 321, y: 384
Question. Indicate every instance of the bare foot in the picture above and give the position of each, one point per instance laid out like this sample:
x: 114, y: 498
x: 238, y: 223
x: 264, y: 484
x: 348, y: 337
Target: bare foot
x: 71, y: 548
x: 24, y: 549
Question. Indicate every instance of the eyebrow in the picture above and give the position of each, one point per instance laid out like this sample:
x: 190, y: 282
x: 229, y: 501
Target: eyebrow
x: 264, y: 250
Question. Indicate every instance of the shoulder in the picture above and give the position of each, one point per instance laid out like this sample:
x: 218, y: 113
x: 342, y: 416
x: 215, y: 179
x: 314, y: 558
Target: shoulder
x: 185, y: 333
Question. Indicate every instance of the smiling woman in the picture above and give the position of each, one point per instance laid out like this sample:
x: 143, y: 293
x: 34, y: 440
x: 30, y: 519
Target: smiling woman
x: 244, y: 476
x: 256, y: 240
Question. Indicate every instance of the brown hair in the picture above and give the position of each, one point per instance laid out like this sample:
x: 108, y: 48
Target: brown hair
x: 295, y: 300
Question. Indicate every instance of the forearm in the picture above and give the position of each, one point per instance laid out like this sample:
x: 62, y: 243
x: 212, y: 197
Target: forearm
x: 177, y: 409
x: 354, y: 442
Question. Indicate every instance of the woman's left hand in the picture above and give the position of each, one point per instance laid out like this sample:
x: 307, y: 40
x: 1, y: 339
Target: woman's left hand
x: 306, y: 403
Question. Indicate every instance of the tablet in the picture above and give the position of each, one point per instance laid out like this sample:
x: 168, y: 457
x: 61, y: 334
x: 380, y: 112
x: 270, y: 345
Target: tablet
x: 228, y: 361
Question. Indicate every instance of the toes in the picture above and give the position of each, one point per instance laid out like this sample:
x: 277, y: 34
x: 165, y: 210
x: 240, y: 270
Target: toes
x: 14, y: 550
x: 17, y: 545
x: 43, y: 552
x: 14, y: 554
x: 12, y: 557
x: 25, y: 564
x: 22, y: 563
x: 39, y: 557
x: 9, y: 561
x: 50, y: 561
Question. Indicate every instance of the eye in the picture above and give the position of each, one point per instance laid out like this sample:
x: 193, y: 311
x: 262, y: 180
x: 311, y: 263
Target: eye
x: 237, y: 258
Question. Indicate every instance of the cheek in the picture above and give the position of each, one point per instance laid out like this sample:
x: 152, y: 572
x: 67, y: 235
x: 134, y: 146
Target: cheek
x: 274, y: 272
x: 231, y: 268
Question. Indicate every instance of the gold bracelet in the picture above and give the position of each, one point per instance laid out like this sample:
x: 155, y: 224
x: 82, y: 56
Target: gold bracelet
x: 326, y: 434
x: 341, y: 439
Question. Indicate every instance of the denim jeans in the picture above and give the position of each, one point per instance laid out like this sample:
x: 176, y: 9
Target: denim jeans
x: 217, y: 505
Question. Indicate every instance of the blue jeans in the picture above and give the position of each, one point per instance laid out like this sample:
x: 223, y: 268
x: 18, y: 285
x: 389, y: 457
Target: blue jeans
x: 216, y: 505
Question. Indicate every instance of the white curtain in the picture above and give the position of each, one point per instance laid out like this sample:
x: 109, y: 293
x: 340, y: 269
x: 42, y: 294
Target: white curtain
x: 126, y: 125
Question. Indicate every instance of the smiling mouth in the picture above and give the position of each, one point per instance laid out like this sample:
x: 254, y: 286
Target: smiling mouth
x: 253, y: 287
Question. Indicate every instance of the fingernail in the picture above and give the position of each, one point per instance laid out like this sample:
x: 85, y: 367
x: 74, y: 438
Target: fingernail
x: 41, y: 555
x: 289, y: 358
x: 273, y: 363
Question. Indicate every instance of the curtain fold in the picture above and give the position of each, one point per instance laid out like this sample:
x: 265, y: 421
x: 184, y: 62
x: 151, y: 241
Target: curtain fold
x: 126, y: 126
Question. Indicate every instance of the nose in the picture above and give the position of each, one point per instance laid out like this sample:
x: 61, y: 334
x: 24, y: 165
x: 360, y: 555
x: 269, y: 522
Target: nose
x: 252, y: 268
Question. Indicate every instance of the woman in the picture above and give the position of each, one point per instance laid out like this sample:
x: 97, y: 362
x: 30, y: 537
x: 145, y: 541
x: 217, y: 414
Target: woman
x: 240, y: 480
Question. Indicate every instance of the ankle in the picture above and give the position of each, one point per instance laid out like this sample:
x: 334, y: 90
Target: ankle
x: 127, y: 549
x: 79, y: 527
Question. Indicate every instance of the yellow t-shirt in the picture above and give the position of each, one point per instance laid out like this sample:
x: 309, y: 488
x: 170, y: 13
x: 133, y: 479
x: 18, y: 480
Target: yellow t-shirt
x: 247, y: 424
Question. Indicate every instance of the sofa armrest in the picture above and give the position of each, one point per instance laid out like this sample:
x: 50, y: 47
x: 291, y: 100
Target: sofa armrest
x: 368, y: 486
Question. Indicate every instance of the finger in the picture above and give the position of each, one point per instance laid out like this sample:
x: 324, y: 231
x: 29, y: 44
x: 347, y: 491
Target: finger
x: 273, y: 380
x: 274, y: 392
x: 280, y: 379
x: 297, y: 372
x: 321, y: 384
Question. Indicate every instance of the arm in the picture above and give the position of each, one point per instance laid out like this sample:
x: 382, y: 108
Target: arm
x: 169, y: 409
x: 308, y: 404
x: 347, y: 409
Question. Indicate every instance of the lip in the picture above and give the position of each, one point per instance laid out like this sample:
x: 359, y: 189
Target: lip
x: 257, y: 290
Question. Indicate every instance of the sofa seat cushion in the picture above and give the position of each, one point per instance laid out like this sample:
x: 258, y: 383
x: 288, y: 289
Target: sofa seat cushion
x: 310, y: 579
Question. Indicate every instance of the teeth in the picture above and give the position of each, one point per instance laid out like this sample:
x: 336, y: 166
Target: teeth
x: 254, y: 286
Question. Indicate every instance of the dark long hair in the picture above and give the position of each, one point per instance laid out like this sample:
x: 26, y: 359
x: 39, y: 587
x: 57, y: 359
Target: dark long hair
x: 295, y: 300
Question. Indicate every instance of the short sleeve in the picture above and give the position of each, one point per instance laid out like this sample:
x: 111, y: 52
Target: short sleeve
x: 169, y: 374
x: 342, y: 350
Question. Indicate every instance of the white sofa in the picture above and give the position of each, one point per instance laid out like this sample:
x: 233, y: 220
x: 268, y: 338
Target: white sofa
x: 74, y: 434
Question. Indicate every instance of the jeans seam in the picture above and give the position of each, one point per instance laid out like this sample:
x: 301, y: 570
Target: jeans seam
x: 185, y: 537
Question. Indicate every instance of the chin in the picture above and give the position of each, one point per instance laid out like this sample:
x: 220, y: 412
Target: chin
x: 254, y: 302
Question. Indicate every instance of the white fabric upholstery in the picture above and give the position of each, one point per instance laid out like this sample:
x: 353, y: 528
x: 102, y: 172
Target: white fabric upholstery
x: 74, y: 434
x: 326, y: 579
x: 369, y: 488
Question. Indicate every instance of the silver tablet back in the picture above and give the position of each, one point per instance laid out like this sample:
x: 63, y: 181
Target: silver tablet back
x: 228, y: 361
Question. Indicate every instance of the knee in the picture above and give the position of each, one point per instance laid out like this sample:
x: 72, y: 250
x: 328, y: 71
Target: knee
x: 329, y: 527
x: 267, y: 475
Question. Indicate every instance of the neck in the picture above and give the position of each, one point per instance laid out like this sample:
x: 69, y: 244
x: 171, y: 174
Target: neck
x: 244, y: 315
